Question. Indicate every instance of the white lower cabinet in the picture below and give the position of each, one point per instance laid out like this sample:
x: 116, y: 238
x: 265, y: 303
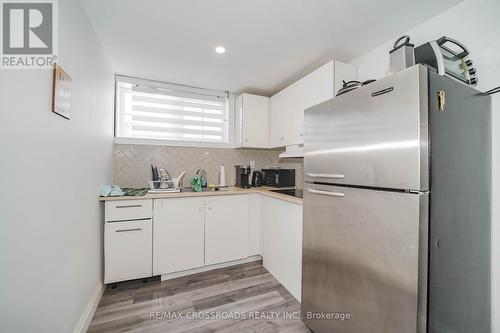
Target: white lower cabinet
x: 178, y: 236
x: 254, y: 225
x: 226, y: 228
x: 194, y: 232
x: 282, y: 242
x: 127, y: 250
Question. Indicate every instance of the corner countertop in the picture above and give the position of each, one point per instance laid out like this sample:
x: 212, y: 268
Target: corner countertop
x: 265, y: 190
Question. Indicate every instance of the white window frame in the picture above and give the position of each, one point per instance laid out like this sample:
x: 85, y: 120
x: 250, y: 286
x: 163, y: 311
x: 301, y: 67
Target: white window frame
x: 175, y: 143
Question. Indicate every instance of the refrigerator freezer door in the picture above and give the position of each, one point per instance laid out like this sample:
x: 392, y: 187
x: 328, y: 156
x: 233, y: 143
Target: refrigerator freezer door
x: 374, y: 136
x: 362, y: 250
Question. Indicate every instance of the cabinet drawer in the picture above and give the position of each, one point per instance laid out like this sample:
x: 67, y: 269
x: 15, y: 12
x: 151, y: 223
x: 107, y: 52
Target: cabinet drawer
x: 128, y: 250
x: 122, y: 210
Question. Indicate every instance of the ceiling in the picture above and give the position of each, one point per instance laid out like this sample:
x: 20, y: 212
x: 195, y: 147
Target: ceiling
x: 270, y: 43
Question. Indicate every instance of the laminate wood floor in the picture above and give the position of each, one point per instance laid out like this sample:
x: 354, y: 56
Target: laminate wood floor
x: 243, y: 298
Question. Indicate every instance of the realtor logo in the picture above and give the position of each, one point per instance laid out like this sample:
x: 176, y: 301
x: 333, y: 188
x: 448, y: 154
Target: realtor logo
x: 28, y: 37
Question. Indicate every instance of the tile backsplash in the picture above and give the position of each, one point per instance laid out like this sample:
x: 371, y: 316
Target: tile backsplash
x: 132, y: 163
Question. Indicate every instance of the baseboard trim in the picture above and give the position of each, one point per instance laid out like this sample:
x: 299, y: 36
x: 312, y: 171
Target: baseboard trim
x: 88, y: 314
x: 170, y: 276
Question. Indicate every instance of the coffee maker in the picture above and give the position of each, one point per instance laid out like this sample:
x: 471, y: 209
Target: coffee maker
x: 242, y: 176
x: 256, y: 178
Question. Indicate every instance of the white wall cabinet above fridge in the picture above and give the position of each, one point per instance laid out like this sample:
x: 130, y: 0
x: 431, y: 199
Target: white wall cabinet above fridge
x: 252, y: 121
x: 287, y: 106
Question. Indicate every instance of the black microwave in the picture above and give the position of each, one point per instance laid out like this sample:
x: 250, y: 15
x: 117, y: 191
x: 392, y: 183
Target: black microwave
x: 278, y: 177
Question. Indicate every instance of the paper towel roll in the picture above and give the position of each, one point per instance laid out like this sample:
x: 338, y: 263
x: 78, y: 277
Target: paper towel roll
x: 222, y: 176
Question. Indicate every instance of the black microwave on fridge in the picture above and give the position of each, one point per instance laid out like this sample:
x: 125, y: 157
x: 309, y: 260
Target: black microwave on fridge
x: 278, y: 177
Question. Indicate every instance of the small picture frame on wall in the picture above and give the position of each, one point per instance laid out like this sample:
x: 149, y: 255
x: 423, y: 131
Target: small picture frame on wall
x: 61, y: 93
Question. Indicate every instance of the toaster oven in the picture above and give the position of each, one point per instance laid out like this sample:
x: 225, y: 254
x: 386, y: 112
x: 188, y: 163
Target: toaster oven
x: 448, y: 57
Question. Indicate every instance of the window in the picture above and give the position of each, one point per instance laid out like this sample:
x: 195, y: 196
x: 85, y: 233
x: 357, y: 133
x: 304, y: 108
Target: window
x: 155, y: 112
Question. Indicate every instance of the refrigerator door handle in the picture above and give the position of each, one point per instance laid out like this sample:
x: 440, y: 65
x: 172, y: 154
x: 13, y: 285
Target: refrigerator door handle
x: 328, y: 193
x: 325, y: 175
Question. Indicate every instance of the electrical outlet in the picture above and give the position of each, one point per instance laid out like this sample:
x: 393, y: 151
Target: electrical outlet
x: 252, y: 164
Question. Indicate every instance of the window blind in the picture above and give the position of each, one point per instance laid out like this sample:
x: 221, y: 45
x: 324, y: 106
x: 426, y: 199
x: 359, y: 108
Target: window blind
x: 157, y: 111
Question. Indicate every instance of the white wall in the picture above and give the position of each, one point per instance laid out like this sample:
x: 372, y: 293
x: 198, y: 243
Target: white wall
x: 50, y: 173
x: 476, y: 24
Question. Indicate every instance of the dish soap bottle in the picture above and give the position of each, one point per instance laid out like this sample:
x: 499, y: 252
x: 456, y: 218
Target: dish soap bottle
x: 202, y: 175
x: 196, y: 182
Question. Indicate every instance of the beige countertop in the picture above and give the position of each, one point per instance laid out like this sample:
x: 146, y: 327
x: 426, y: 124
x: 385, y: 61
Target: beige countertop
x: 229, y: 191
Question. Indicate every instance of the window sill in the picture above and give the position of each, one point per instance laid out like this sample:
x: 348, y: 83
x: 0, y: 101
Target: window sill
x: 148, y: 142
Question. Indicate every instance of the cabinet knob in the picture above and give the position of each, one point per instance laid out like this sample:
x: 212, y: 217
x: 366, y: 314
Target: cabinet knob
x: 246, y: 140
x: 200, y: 209
x: 301, y: 134
x: 282, y: 139
x: 209, y: 208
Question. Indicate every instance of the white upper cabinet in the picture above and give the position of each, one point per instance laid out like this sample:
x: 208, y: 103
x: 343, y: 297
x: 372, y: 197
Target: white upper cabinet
x: 252, y: 121
x: 288, y: 105
x: 343, y: 72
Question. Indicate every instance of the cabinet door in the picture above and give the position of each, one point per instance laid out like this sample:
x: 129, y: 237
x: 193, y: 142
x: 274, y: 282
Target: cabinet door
x: 178, y: 237
x: 238, y: 121
x: 127, y: 250
x: 312, y: 89
x: 344, y: 72
x: 280, y: 123
x: 287, y: 106
x: 255, y: 121
x: 282, y: 242
x: 226, y: 228
x: 254, y: 225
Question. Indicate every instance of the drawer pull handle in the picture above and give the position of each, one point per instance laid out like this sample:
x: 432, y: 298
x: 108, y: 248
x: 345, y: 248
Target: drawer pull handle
x: 324, y: 175
x: 127, y: 230
x: 129, y: 206
x: 328, y: 193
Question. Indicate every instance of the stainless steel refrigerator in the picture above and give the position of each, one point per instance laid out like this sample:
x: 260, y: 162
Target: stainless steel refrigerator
x: 397, y: 208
